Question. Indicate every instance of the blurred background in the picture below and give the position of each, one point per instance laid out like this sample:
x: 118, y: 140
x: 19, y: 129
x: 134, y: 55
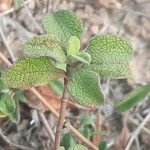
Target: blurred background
x: 20, y: 21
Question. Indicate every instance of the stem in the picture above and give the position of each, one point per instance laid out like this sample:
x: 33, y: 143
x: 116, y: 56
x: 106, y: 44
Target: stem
x: 62, y: 114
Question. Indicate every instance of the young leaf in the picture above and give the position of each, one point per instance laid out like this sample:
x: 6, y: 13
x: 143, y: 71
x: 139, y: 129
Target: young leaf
x: 61, y: 25
x: 133, y: 98
x: 29, y: 72
x: 82, y: 57
x: 8, y: 106
x: 58, y: 86
x: 84, y: 86
x: 44, y: 45
x: 110, y: 56
x: 68, y: 140
x: 87, y: 132
x: 19, y: 96
x: 78, y: 147
x: 73, y: 46
x: 102, y: 145
x: 86, y: 120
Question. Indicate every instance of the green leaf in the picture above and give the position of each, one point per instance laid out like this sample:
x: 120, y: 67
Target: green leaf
x: 110, y: 49
x: 3, y: 88
x: 87, y: 132
x: 78, y: 147
x: 111, y: 70
x: 73, y: 46
x: 82, y: 57
x: 29, y: 72
x: 44, y: 45
x: 8, y: 107
x: 68, y: 140
x: 86, y: 120
x: 84, y: 86
x: 58, y: 86
x: 62, y: 148
x: 19, y: 96
x: 133, y: 98
x: 102, y: 145
x: 2, y: 85
x: 110, y: 56
x: 61, y: 25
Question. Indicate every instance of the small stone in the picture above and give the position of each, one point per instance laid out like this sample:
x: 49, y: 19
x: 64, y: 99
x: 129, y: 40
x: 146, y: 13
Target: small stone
x: 82, y: 14
x: 89, y: 9
x: 95, y: 29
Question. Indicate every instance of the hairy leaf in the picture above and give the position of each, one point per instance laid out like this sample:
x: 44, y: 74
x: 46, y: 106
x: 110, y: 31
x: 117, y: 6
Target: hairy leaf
x: 84, y: 86
x: 109, y: 49
x: 78, y: 147
x: 29, y: 72
x: 110, y: 56
x: 82, y: 57
x: 44, y: 45
x: 111, y: 70
x: 61, y: 25
x: 8, y: 106
x: 73, y: 46
x: 133, y: 98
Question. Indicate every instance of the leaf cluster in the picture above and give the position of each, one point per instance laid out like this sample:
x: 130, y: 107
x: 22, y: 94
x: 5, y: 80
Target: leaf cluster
x: 87, y: 127
x: 57, y: 53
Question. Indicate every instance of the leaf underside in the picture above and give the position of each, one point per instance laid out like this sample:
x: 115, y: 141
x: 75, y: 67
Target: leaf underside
x: 61, y: 25
x: 29, y: 72
x: 110, y: 56
x: 133, y: 98
x: 84, y: 86
x: 44, y: 45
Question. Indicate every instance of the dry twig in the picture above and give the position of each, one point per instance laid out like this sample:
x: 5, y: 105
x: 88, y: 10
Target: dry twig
x: 47, y: 126
x: 137, y: 131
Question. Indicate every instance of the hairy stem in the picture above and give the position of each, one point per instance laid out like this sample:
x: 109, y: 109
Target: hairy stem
x: 64, y: 100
